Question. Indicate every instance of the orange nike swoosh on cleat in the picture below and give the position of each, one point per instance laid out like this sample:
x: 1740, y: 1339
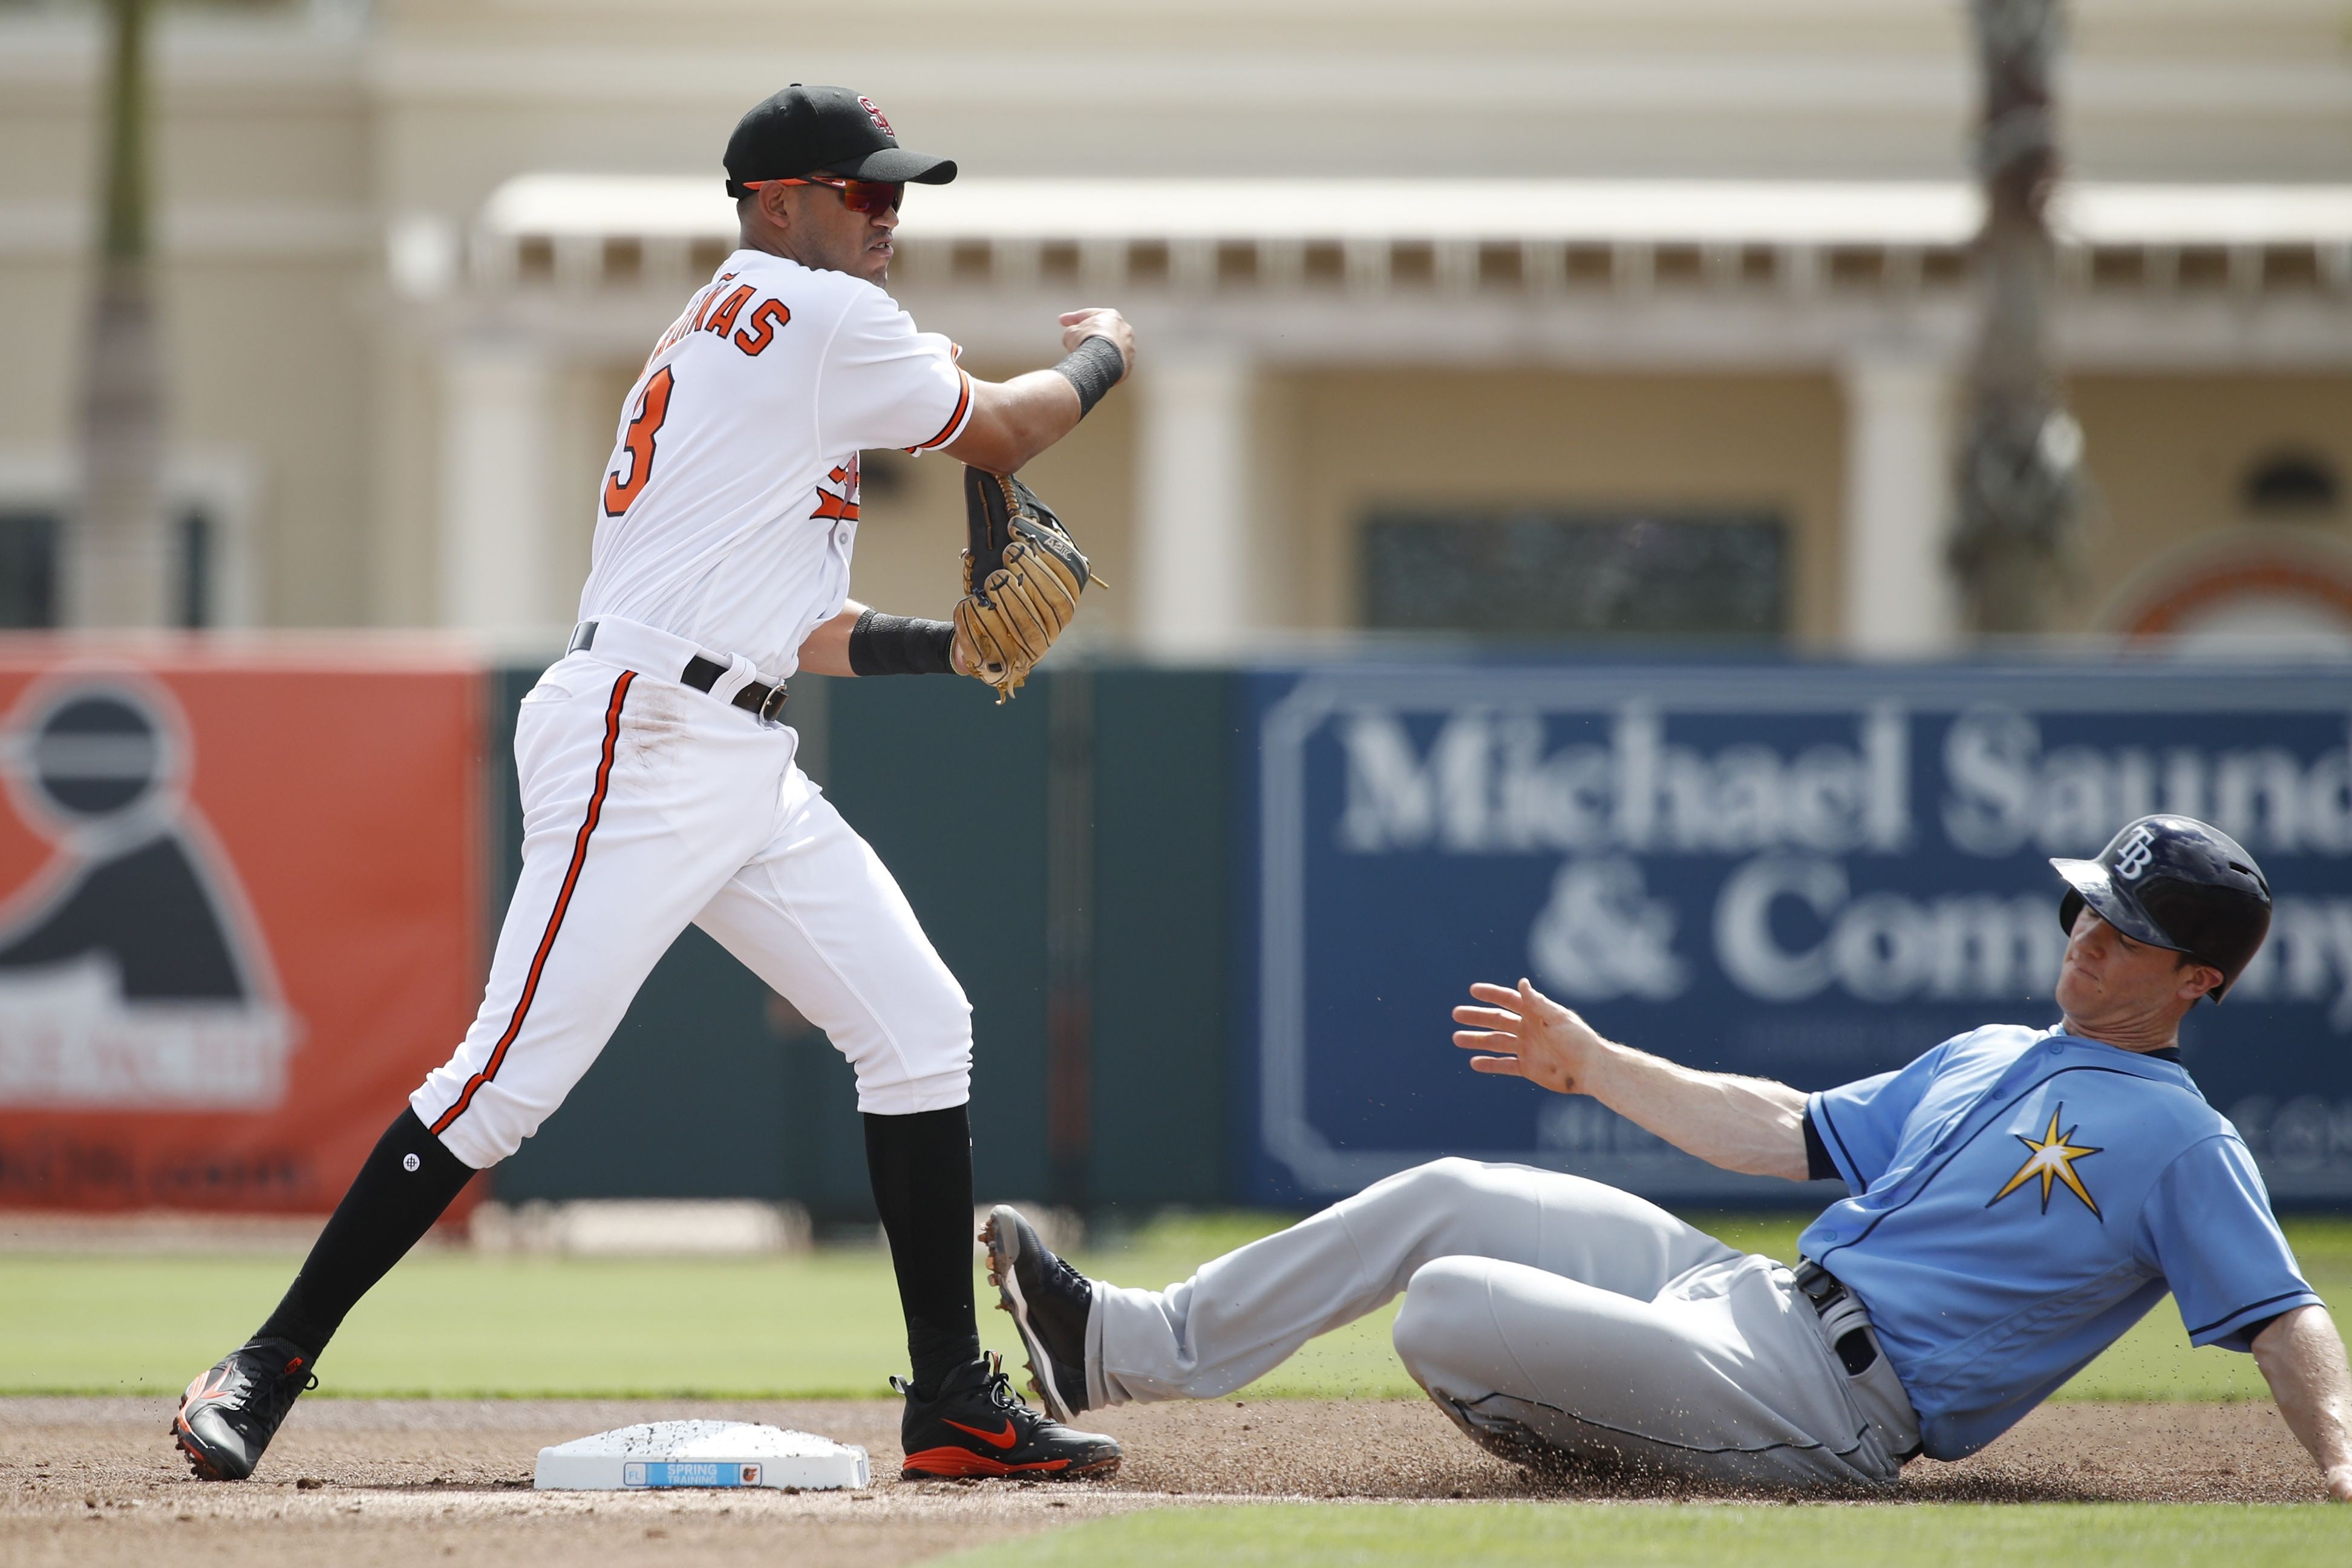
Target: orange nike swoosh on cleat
x: 1004, y: 1439
x: 963, y: 1463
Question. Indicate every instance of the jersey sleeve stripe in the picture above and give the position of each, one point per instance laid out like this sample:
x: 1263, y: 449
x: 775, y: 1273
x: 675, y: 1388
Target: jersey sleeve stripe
x: 954, y: 426
x: 2268, y: 1307
x: 554, y: 921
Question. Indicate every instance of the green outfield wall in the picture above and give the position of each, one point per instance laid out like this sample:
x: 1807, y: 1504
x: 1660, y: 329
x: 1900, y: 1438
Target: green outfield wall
x: 1095, y: 953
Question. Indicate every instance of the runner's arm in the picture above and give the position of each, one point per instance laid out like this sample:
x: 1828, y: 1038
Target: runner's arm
x: 2302, y: 1357
x: 1752, y: 1125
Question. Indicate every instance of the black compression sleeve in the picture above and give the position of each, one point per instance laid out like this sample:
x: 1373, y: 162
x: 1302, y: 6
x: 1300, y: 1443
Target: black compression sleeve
x: 2253, y: 1331
x: 900, y: 645
x: 920, y: 1166
x: 1819, y: 1166
x: 1094, y: 367
x: 402, y: 1188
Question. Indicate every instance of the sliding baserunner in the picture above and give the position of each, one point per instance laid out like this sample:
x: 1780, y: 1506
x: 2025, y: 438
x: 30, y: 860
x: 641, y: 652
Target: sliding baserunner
x: 2019, y: 1198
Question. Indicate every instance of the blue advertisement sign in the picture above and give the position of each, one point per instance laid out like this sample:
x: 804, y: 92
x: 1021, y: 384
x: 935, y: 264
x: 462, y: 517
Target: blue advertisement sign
x: 1807, y: 873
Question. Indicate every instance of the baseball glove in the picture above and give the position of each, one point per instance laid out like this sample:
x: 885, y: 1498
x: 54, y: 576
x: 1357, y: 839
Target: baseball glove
x: 1022, y: 578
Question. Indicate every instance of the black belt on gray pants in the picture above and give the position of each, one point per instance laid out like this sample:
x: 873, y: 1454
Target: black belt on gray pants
x: 702, y: 674
x: 1824, y: 1289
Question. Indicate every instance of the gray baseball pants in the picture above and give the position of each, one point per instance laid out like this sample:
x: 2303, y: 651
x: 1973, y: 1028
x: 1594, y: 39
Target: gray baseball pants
x: 1542, y: 1312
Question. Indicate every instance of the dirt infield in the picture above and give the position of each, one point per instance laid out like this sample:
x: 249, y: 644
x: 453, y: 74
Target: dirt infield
x: 366, y: 1482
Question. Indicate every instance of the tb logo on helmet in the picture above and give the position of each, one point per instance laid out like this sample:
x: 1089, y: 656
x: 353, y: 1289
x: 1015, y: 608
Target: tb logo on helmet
x: 2133, y: 856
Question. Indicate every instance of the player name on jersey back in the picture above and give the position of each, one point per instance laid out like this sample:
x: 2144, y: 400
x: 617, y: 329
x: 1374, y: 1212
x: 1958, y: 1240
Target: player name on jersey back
x: 727, y: 511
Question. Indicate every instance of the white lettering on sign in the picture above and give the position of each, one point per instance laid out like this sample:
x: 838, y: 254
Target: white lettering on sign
x: 1787, y: 924
x: 67, y: 1039
x: 2005, y: 791
x: 2305, y: 1134
x: 2306, y: 958
x: 1574, y: 1125
x: 1880, y: 947
x: 1488, y: 783
x: 1603, y: 935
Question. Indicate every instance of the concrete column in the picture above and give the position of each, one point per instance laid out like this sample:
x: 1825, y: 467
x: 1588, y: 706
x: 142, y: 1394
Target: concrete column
x: 1900, y: 599
x: 497, y: 432
x: 1194, y: 514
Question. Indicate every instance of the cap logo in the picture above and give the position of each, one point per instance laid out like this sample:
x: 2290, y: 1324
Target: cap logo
x: 2132, y: 857
x: 876, y: 115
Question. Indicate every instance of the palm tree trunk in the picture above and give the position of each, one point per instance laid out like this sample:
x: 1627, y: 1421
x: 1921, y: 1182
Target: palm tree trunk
x: 2017, y: 490
x: 119, y: 563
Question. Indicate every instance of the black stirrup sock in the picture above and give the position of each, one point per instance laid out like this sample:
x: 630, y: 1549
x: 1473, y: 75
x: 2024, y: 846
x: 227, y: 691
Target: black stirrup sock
x: 922, y: 1169
x: 406, y: 1184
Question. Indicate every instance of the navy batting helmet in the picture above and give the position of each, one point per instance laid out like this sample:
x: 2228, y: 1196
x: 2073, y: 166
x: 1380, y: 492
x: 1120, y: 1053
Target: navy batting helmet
x: 2176, y: 882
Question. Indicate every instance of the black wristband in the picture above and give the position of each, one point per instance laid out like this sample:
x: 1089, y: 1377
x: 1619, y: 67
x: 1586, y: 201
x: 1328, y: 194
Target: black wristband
x: 900, y: 645
x: 1093, y: 367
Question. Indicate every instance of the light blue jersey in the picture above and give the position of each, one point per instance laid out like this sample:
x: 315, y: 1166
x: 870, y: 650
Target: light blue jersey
x: 2023, y: 1197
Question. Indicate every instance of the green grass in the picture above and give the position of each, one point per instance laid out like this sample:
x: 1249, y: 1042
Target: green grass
x: 816, y: 1326
x: 1498, y: 1535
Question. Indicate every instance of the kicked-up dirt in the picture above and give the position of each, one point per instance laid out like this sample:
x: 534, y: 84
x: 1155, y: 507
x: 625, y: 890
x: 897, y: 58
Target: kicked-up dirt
x: 356, y: 1483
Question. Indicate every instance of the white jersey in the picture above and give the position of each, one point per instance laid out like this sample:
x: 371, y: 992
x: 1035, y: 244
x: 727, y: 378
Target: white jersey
x: 729, y: 508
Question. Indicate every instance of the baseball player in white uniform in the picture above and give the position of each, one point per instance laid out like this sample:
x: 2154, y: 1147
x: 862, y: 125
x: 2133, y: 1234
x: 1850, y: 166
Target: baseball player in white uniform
x: 2021, y: 1197
x: 660, y: 787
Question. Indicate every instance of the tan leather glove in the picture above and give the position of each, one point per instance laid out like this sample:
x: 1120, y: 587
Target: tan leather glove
x: 1022, y: 575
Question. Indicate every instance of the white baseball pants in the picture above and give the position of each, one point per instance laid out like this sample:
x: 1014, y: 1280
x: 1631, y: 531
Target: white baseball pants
x: 1541, y: 1312
x: 647, y: 805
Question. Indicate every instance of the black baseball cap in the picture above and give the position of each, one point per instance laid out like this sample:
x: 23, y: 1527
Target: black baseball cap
x: 829, y: 130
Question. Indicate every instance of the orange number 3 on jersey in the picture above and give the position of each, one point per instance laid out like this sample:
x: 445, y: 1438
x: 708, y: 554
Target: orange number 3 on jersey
x: 652, y: 409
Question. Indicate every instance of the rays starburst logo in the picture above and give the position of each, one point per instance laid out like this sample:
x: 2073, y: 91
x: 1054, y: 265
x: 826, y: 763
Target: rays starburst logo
x: 2051, y: 1157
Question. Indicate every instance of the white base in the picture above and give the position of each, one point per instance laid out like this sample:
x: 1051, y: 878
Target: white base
x: 701, y: 1454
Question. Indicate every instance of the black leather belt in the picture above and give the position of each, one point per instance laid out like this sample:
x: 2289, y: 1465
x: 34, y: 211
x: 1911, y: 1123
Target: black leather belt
x: 702, y: 674
x: 767, y: 702
x: 1824, y: 1289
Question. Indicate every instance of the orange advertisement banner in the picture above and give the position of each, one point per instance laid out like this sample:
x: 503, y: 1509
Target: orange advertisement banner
x: 239, y: 904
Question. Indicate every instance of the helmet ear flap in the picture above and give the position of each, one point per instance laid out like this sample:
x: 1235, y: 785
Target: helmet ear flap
x: 2070, y: 909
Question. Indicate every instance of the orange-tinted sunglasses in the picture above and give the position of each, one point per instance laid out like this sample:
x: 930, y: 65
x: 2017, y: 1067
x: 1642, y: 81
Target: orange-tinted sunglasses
x: 872, y: 197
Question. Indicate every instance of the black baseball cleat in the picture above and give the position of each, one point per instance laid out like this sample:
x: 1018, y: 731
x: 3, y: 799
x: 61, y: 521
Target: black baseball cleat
x: 976, y: 1428
x: 1049, y: 1302
x: 228, y: 1416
